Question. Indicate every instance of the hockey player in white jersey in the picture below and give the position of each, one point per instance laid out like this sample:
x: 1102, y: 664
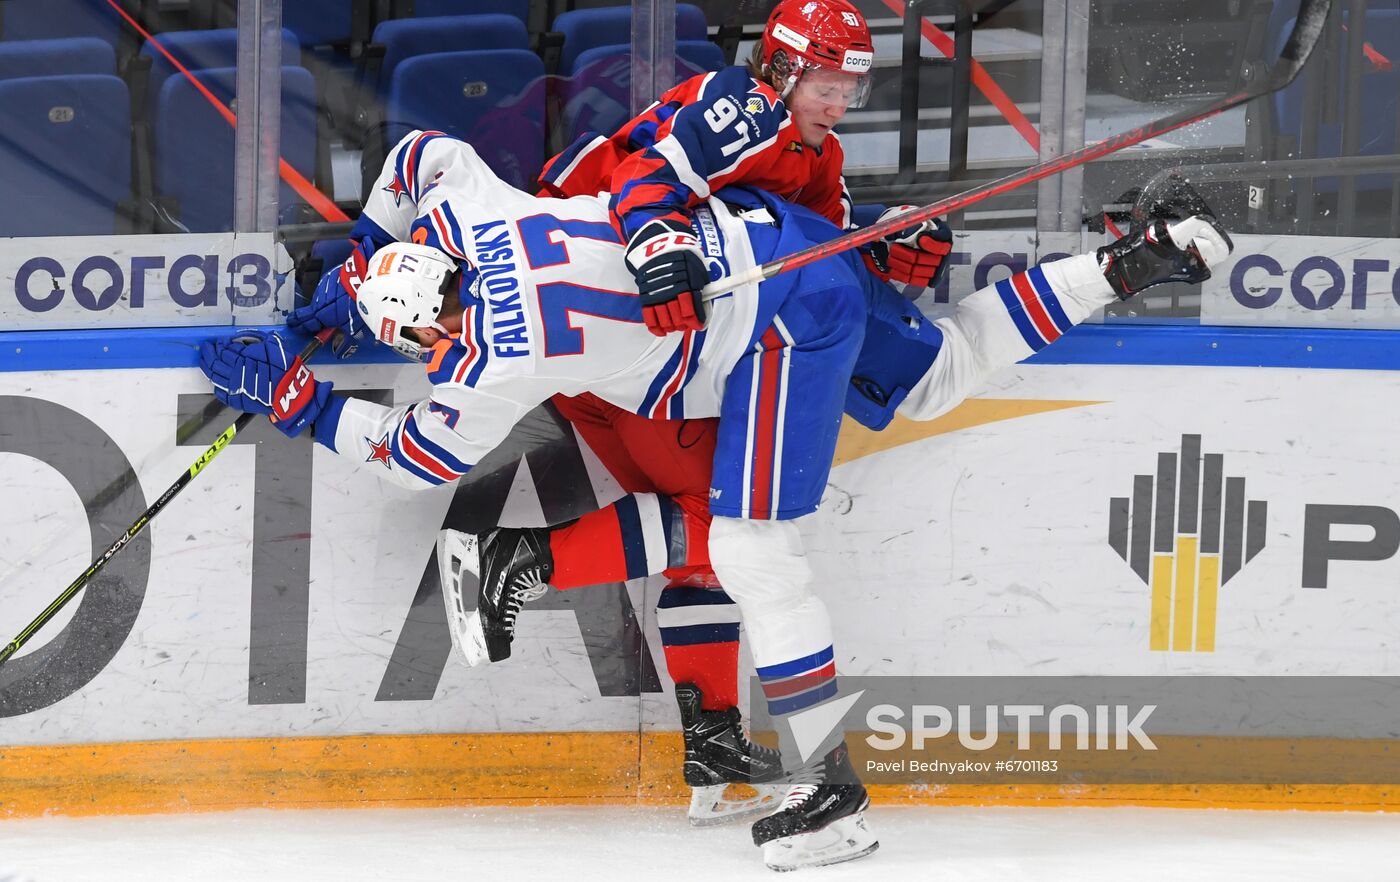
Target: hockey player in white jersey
x: 508, y: 299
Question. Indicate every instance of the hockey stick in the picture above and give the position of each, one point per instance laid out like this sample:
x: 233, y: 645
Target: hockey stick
x: 135, y: 529
x: 1312, y: 14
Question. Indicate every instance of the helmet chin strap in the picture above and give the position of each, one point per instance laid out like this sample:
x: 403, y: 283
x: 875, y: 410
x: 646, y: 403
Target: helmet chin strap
x: 789, y: 83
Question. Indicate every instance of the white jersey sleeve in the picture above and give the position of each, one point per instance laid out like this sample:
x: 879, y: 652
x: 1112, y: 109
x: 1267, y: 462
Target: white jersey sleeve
x: 419, y: 164
x: 1004, y: 323
x: 427, y: 443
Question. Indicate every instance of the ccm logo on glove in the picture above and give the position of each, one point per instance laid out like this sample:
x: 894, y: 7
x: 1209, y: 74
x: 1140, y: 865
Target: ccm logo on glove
x: 664, y: 243
x: 293, y: 392
x: 666, y: 261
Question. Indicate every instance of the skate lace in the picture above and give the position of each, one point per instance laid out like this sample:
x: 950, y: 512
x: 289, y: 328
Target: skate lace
x: 535, y: 589
x: 525, y: 587
x: 804, y: 785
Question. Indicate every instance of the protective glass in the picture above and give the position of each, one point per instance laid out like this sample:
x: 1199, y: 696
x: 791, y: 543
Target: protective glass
x: 834, y: 87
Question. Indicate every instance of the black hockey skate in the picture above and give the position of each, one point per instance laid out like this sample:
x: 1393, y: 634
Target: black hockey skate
x: 718, y: 754
x: 1150, y: 255
x: 514, y: 567
x: 822, y: 820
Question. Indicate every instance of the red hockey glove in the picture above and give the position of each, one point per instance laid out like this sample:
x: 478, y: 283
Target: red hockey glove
x: 665, y: 258
x: 914, y: 255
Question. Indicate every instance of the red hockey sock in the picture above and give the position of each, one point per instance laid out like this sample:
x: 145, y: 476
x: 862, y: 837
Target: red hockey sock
x: 700, y: 637
x: 714, y: 667
x: 639, y: 535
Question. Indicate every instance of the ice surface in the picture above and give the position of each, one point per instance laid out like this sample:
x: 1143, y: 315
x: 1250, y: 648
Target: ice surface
x: 609, y: 844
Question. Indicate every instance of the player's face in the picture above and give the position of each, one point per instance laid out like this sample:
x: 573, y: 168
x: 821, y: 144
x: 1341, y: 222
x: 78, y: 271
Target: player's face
x: 426, y: 337
x: 450, y: 320
x: 819, y: 100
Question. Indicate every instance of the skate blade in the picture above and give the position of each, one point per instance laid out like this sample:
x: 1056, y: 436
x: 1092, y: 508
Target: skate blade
x: 844, y: 839
x: 726, y: 803
x: 456, y: 554
x: 456, y: 551
x: 471, y: 642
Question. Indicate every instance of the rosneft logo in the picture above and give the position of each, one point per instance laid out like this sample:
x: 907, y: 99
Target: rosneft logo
x: 1186, y: 531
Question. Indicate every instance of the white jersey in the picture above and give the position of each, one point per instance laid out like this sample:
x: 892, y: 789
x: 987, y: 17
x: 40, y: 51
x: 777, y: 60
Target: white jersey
x: 556, y: 312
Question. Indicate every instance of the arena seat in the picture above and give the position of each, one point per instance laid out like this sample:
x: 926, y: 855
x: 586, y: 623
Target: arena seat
x: 597, y: 97
x: 59, y: 57
x: 585, y: 29
x: 53, y: 19
x: 332, y: 252
x: 198, y: 50
x: 65, y: 160
x: 318, y: 22
x: 406, y: 38
x: 194, y: 146
x: 494, y: 100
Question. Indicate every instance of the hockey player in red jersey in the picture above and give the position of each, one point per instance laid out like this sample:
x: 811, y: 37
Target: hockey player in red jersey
x: 767, y: 125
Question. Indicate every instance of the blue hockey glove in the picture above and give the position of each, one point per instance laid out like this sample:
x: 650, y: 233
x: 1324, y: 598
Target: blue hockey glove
x: 253, y: 373
x: 333, y: 303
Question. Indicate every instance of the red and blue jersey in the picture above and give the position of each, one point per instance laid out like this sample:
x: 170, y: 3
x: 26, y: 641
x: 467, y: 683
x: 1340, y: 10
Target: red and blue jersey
x: 710, y: 131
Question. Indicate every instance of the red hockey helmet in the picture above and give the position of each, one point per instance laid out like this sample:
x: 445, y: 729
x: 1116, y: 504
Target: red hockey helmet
x: 830, y: 35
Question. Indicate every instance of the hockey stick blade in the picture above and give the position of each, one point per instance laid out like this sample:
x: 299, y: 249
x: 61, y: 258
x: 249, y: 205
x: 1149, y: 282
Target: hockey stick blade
x: 146, y: 517
x: 1312, y: 15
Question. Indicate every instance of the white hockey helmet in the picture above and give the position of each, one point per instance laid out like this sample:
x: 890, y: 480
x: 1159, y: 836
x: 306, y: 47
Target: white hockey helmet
x: 404, y: 288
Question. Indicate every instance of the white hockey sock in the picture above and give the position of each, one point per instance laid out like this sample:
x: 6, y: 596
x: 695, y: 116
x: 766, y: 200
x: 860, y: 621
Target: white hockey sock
x: 763, y: 568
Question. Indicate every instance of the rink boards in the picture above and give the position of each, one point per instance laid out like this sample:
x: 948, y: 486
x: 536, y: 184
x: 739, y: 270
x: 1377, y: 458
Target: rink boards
x: 277, y: 638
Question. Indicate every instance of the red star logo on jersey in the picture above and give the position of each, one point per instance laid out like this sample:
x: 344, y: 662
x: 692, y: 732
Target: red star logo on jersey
x: 379, y: 451
x: 397, y: 188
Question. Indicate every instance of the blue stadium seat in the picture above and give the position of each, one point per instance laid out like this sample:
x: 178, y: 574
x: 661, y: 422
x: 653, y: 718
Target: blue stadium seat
x: 51, y: 58
x: 406, y: 38
x: 317, y: 22
x: 518, y: 8
x: 585, y: 29
x: 702, y: 55
x: 598, y: 96
x: 494, y: 100
x: 65, y: 160
x: 198, y: 50
x: 1380, y: 98
x: 194, y: 146
x: 52, y: 19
